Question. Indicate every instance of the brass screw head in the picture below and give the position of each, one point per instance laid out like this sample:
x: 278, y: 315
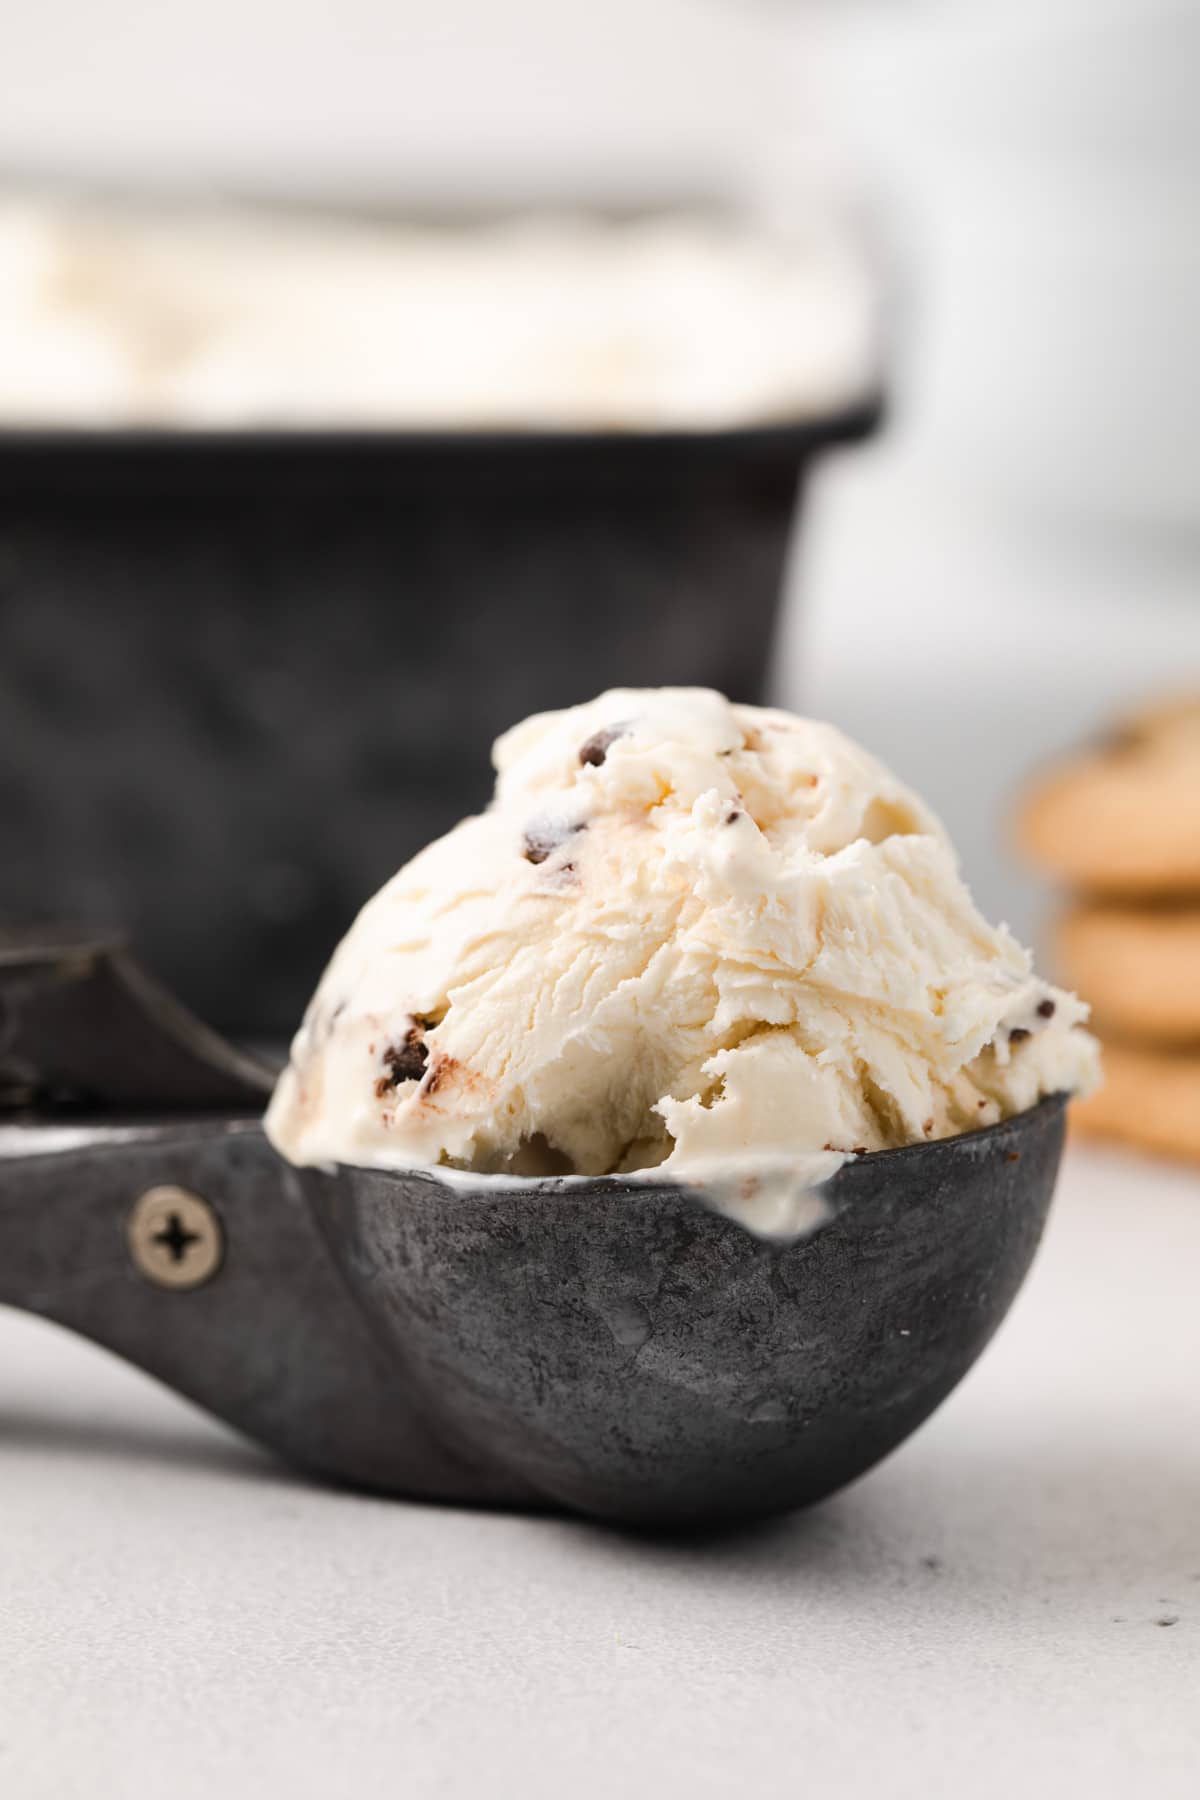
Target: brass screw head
x: 175, y: 1238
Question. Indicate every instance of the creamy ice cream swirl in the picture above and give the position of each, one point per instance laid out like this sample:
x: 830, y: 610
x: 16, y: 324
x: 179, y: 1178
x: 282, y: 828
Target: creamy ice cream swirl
x: 687, y: 937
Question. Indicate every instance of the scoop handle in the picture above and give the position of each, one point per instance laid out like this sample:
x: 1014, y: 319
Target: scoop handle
x: 263, y: 1334
x: 81, y: 1022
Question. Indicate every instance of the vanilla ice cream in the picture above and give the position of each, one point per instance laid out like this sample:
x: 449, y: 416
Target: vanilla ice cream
x: 198, y: 318
x: 687, y: 937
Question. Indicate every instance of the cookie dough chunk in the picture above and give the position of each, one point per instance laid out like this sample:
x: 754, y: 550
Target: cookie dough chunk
x: 1124, y: 820
x: 1150, y: 1098
x: 1139, y: 967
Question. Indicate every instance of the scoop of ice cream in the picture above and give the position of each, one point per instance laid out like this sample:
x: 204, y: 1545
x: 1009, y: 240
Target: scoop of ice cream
x: 688, y: 936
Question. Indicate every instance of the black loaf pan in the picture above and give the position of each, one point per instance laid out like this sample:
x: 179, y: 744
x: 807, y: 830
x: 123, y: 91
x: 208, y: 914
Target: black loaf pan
x: 244, y: 676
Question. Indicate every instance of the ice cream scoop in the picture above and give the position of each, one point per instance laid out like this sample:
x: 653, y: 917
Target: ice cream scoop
x: 619, y: 1349
x: 690, y: 941
x: 664, y: 1143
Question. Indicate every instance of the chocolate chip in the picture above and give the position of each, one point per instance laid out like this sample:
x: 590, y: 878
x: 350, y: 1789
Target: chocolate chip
x: 1018, y: 1034
x: 1122, y: 740
x: 731, y: 818
x: 544, y: 836
x: 1046, y: 1009
x: 406, y: 1061
x: 593, y: 753
x: 859, y: 1150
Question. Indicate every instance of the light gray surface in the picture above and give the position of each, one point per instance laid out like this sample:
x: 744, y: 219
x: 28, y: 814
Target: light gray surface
x: 984, y: 1614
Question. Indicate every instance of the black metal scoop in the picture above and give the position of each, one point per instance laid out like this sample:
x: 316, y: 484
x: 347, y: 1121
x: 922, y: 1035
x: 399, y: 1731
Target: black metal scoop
x: 608, y: 1346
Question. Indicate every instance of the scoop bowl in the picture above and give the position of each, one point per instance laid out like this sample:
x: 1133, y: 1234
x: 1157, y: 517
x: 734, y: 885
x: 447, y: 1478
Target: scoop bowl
x: 622, y: 1350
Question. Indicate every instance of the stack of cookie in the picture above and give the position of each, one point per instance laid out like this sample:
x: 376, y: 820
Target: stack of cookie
x: 1121, y: 825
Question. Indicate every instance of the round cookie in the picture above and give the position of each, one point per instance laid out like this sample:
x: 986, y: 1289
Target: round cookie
x: 1138, y: 967
x: 1124, y: 819
x: 1150, y: 1098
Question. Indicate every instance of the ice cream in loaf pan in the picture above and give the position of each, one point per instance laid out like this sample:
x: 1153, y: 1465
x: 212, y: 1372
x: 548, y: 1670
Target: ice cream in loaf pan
x: 687, y: 938
x: 199, y: 318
